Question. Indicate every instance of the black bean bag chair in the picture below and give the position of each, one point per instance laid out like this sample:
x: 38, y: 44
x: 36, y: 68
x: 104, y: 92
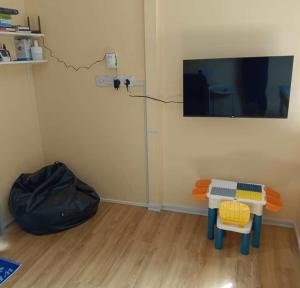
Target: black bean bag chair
x: 51, y: 200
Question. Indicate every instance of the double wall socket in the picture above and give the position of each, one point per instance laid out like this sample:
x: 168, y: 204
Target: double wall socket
x: 108, y: 81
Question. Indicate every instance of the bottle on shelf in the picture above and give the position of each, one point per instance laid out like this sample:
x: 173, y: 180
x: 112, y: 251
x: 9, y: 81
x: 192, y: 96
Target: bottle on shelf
x: 37, y: 51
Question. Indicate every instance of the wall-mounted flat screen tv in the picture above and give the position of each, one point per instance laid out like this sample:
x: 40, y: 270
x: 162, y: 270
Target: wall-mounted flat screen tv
x: 258, y: 87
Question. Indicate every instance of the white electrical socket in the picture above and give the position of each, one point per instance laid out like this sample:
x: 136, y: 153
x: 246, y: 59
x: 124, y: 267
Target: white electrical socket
x: 108, y: 81
x: 102, y: 81
x: 111, y: 60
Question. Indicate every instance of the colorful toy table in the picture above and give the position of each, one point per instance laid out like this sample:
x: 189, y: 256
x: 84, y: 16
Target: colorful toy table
x: 251, y: 194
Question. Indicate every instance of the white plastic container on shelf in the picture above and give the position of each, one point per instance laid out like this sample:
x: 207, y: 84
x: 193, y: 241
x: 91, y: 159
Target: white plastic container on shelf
x: 37, y: 51
x: 23, y: 49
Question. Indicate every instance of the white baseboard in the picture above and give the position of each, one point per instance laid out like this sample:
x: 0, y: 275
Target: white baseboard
x: 154, y: 207
x: 179, y: 209
x: 297, y: 235
x: 8, y: 221
x: 151, y: 207
x: 279, y: 223
x: 203, y: 212
x: 130, y: 203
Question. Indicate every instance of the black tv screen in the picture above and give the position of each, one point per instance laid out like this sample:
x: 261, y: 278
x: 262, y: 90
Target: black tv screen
x: 238, y: 87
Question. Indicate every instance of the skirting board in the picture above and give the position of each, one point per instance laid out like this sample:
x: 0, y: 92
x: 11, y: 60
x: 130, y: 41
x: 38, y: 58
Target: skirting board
x: 297, y: 234
x: 203, y: 212
x: 8, y: 221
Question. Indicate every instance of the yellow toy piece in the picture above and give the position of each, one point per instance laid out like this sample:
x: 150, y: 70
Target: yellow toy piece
x: 249, y: 195
x: 233, y: 212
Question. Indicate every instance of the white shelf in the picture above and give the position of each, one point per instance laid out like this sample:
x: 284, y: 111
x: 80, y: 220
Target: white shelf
x: 17, y: 34
x: 24, y: 62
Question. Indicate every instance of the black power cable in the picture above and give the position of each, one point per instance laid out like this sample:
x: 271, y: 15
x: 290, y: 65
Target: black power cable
x: 67, y: 65
x: 116, y: 82
x: 155, y: 99
x: 127, y: 84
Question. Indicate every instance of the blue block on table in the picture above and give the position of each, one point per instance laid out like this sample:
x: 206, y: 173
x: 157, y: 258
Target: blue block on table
x: 249, y: 187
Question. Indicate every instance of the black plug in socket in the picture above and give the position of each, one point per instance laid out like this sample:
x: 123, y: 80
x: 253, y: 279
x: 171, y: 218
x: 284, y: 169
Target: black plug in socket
x: 117, y: 84
x: 127, y: 83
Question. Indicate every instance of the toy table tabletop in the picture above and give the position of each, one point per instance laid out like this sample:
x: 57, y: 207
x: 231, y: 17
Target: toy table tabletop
x: 244, y: 192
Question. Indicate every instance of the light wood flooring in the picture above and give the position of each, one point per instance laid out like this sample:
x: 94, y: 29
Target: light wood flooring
x: 126, y: 246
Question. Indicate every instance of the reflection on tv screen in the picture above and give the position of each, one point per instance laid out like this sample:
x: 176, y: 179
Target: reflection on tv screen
x: 238, y: 87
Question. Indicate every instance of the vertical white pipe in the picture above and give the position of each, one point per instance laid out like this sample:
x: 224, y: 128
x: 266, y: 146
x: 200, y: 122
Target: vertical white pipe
x: 146, y: 146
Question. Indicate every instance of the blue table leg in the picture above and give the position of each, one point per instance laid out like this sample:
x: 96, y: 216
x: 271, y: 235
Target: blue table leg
x: 212, y: 217
x: 219, y: 239
x: 245, y: 244
x: 257, y: 220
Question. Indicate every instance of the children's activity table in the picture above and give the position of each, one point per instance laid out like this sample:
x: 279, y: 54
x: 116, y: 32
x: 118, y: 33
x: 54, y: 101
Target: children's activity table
x: 253, y: 195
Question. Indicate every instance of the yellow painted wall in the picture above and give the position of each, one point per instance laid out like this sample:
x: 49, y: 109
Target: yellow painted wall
x: 99, y: 133
x: 20, y: 142
x: 254, y: 150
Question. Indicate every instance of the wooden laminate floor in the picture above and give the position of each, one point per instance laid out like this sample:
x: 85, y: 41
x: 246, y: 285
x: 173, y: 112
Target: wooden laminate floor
x: 126, y: 246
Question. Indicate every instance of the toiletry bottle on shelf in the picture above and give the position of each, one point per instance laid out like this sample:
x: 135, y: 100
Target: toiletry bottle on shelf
x: 4, y: 54
x: 37, y: 51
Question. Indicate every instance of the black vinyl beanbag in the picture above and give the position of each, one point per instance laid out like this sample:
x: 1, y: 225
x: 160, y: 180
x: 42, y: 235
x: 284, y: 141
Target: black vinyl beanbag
x: 51, y: 200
